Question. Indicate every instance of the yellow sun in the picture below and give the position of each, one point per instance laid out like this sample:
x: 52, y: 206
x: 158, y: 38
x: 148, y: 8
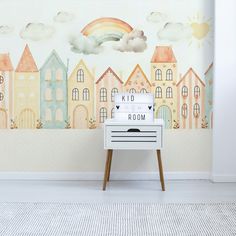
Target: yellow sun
x: 201, y: 30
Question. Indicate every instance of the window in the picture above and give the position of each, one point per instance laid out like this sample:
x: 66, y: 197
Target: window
x: 31, y: 77
x: 21, y: 77
x: 1, y: 96
x: 196, y: 110
x: 169, y: 74
x: 75, y: 94
x: 184, y: 110
x: 59, y: 75
x: 113, y: 92
x: 80, y: 75
x: 103, y: 114
x: 158, y: 74
x: 158, y: 93
x: 59, y: 115
x: 143, y: 90
x: 196, y: 91
x: 184, y: 91
x: 112, y: 113
x: 48, y: 114
x: 132, y: 90
x: 59, y: 94
x: 1, y: 79
x: 48, y: 74
x: 103, y: 95
x: 48, y: 94
x: 86, y: 94
x: 169, y: 93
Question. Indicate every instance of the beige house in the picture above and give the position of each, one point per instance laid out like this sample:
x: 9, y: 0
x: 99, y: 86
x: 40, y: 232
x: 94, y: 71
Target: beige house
x: 107, y: 86
x: 80, y: 97
x: 163, y: 80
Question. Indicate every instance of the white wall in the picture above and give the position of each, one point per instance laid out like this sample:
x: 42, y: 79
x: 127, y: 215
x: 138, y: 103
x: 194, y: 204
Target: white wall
x: 224, y: 161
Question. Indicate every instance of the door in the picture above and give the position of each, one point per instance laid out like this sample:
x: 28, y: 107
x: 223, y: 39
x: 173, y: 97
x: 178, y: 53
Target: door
x: 80, y: 117
x: 164, y: 113
x: 27, y: 119
x: 3, y: 119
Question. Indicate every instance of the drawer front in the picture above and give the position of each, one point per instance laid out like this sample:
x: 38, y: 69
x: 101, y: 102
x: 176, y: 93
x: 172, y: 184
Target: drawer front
x: 133, y: 137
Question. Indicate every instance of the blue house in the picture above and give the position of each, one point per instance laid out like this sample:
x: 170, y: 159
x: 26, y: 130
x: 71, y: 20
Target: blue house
x: 209, y: 95
x: 53, y: 93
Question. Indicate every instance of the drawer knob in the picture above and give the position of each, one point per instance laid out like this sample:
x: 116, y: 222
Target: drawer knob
x: 133, y: 130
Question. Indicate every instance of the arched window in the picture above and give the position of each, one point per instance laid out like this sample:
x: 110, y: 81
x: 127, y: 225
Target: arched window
x: 113, y: 92
x: 169, y: 93
x: 196, y: 110
x: 112, y: 112
x: 59, y: 74
x: 85, y: 94
x: 158, y: 93
x: 132, y: 90
x: 1, y: 96
x: 184, y: 110
x: 80, y: 75
x: 103, y: 95
x: 103, y: 114
x: 48, y: 94
x: 169, y: 74
x: 196, y: 91
x: 59, y: 94
x: 158, y: 74
x: 75, y: 94
x: 48, y: 114
x: 184, y: 91
x: 1, y: 79
x: 48, y: 74
x: 143, y: 90
x: 59, y: 115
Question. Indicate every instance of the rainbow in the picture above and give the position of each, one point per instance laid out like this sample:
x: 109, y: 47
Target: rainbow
x: 106, y: 29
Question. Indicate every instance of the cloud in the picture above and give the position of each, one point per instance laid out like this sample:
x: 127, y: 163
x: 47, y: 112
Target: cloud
x: 135, y: 41
x: 85, y: 45
x: 37, y: 31
x: 156, y: 17
x: 174, y: 32
x: 5, y: 29
x: 63, y: 17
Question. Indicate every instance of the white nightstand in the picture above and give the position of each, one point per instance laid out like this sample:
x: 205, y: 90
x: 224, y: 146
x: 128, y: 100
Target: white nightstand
x: 134, y: 136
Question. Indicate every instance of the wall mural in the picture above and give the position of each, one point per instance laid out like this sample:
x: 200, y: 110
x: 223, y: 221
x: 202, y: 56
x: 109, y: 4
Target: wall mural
x: 61, y: 69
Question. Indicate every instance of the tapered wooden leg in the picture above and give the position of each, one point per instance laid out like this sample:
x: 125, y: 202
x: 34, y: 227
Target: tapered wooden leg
x: 109, y: 167
x: 160, y: 170
x: 106, y: 171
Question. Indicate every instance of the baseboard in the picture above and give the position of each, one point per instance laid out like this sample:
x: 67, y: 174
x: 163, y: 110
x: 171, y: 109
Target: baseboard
x: 99, y: 175
x: 223, y: 178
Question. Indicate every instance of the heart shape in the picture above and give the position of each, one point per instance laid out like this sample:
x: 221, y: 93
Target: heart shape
x: 200, y: 30
x: 117, y: 107
x: 149, y: 107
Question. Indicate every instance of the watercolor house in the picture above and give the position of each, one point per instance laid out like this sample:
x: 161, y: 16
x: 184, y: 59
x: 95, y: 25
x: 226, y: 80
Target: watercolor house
x: 6, y: 77
x: 107, y: 86
x: 209, y: 96
x: 26, y: 92
x: 163, y: 80
x: 53, y: 92
x: 137, y: 82
x: 191, y: 100
x: 80, y: 96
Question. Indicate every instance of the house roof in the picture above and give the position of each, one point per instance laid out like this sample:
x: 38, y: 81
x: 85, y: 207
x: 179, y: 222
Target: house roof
x: 190, y: 70
x: 111, y: 71
x: 5, y: 62
x: 137, y: 67
x: 163, y: 54
x: 209, y: 67
x: 27, y: 63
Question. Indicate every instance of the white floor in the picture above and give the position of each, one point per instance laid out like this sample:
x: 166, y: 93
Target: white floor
x: 117, y: 191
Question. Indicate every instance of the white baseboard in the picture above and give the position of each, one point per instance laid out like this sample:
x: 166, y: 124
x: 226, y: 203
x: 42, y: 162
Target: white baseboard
x: 223, y: 178
x: 99, y: 175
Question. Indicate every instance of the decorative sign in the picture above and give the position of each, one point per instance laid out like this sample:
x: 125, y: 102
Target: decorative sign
x: 134, y: 107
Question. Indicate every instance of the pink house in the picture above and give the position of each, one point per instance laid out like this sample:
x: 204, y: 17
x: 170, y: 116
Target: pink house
x: 191, y: 100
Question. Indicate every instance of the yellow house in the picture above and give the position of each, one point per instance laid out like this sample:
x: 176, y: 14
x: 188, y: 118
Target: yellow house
x: 81, y: 97
x: 26, y: 92
x: 163, y: 80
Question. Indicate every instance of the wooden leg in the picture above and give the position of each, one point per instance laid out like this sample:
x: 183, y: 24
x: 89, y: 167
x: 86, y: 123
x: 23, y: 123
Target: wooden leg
x: 106, y: 172
x: 109, y: 167
x: 160, y: 170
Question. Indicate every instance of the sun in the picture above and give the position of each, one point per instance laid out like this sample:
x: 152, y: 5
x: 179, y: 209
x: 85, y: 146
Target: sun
x: 201, y: 30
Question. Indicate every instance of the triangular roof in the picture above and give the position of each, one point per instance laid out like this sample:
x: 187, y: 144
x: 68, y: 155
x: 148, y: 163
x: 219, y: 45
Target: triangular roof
x: 111, y: 71
x: 5, y: 62
x: 209, y: 67
x: 54, y: 54
x: 190, y: 70
x: 137, y: 67
x: 163, y: 54
x: 27, y: 63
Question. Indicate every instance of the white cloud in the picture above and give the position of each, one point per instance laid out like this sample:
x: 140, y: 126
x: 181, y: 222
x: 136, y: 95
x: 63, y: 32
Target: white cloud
x: 135, y: 41
x: 85, y: 45
x: 63, y: 17
x: 175, y: 32
x: 5, y: 29
x: 37, y: 31
x: 156, y: 17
